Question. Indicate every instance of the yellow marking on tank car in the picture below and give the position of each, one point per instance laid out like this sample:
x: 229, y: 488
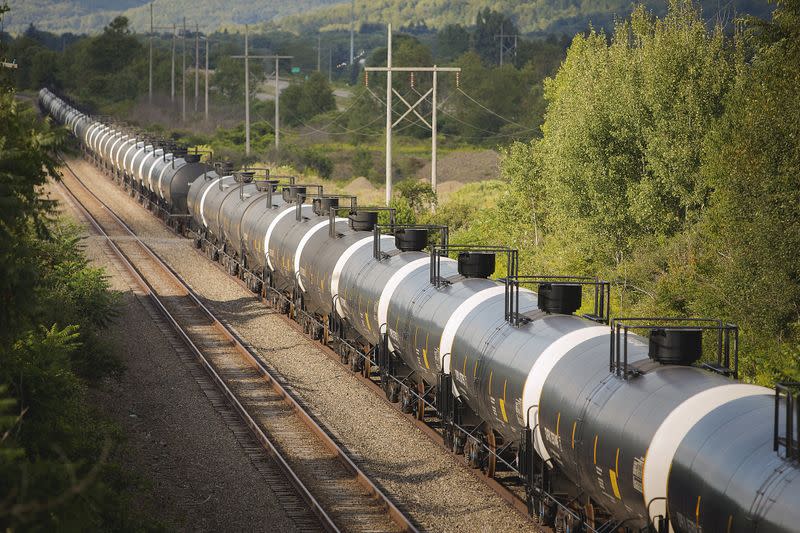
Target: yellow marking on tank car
x: 491, y: 373
x: 465, y: 365
x: 595, y: 449
x: 697, y: 513
x: 503, y: 402
x: 574, y: 426
x: 730, y: 523
x: 613, y: 476
x: 425, y: 352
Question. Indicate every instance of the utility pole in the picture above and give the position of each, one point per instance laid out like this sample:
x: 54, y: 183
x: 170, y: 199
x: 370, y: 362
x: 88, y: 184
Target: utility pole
x: 196, y: 66
x: 247, y: 58
x: 183, y: 77
x: 206, y: 115
x: 246, y: 93
x: 502, y: 41
x: 503, y: 48
x: 352, y: 25
x: 150, y: 78
x: 172, y: 78
x: 433, y: 92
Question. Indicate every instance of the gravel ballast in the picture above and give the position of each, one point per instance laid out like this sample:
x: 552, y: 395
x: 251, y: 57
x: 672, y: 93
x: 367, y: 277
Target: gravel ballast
x: 439, y: 493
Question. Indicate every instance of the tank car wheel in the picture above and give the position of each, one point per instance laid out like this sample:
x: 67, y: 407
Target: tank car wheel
x: 491, y: 462
x: 459, y: 441
x: 420, y: 409
x: 355, y: 360
x: 392, y: 390
x: 407, y: 400
x: 472, y: 452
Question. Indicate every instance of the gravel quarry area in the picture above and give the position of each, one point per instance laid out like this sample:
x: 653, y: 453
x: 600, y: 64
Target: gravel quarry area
x: 439, y: 493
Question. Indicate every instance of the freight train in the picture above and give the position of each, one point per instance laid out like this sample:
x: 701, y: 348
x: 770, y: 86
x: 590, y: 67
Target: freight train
x: 624, y: 424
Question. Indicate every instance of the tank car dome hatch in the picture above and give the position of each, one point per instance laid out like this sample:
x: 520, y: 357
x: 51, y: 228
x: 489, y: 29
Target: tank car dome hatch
x: 323, y: 205
x: 410, y: 239
x: 292, y: 192
x: 476, y: 264
x: 676, y: 346
x: 263, y: 184
x: 364, y: 220
x: 245, y: 176
x: 192, y: 158
x: 562, y: 298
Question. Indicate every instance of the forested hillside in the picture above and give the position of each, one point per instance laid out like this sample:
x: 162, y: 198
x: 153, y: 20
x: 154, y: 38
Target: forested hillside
x: 90, y: 16
x: 530, y: 16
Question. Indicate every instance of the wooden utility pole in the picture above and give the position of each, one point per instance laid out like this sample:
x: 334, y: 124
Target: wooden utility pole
x: 196, y: 66
x: 150, y: 67
x: 206, y: 114
x: 247, y: 58
x: 352, y: 29
x: 172, y: 78
x: 183, y: 77
x: 150, y: 70
x: 433, y: 92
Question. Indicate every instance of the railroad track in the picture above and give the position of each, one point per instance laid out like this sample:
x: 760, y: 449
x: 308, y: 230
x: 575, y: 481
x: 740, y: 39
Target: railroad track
x: 340, y: 496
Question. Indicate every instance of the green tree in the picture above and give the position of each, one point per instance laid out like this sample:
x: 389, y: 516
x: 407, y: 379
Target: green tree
x: 753, y: 223
x: 451, y: 42
x: 317, y: 96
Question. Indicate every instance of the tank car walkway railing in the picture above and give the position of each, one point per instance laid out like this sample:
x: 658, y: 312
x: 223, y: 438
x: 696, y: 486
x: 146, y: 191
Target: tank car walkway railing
x: 341, y: 496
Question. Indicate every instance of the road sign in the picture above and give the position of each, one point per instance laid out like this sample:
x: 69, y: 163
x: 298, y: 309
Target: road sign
x: 295, y: 70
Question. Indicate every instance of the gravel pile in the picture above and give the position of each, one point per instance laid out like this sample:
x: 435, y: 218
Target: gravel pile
x: 192, y: 472
x: 438, y: 492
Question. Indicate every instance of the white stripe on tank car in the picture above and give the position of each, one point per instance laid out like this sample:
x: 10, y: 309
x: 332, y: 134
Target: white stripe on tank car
x: 271, y: 228
x: 394, y: 281
x: 133, y: 158
x: 136, y: 149
x: 89, y: 130
x: 302, y: 244
x: 203, y: 199
x: 168, y: 158
x: 540, y: 371
x: 122, y: 151
x: 147, y: 149
x: 342, y: 262
x: 156, y: 155
x: 457, y: 318
x: 102, y: 142
x: 95, y: 136
x: 672, y: 431
x: 112, y: 152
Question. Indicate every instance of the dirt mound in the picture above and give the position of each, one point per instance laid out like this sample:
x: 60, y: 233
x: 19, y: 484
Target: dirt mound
x: 465, y: 166
x: 359, y: 186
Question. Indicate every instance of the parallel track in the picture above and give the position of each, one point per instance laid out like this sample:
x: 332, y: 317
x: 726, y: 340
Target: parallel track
x: 339, y: 494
